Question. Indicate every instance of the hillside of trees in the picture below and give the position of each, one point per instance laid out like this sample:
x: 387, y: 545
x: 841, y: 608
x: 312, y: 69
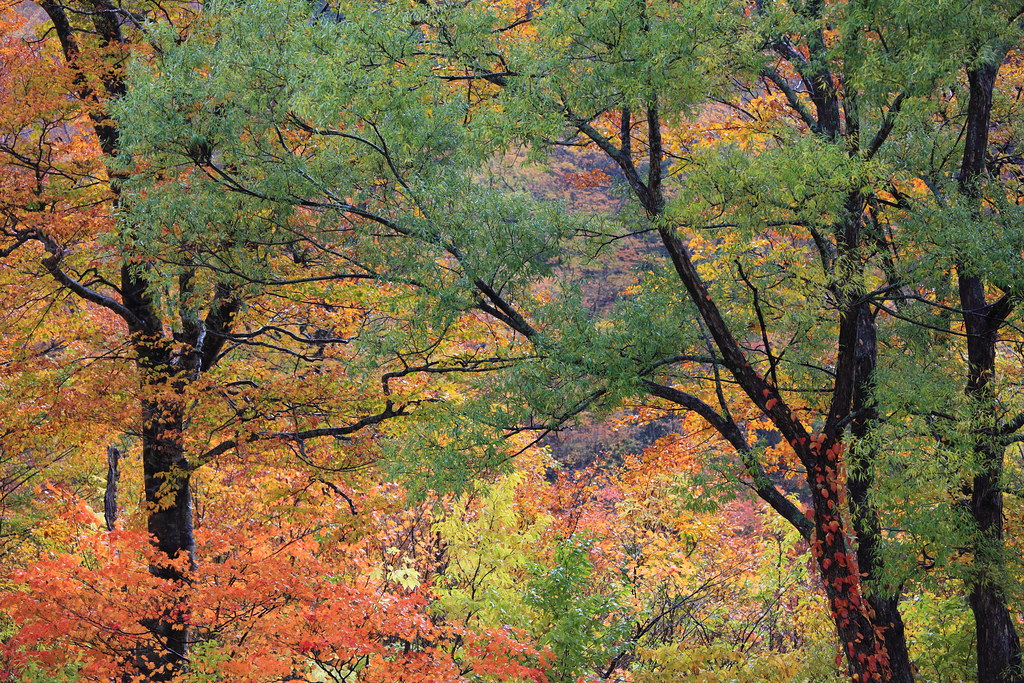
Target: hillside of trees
x: 537, y: 341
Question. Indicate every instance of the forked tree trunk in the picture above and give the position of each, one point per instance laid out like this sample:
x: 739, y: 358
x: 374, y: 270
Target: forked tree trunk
x: 861, y: 635
x: 166, y: 480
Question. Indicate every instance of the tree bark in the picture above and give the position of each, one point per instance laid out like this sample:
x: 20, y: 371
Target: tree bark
x: 883, y: 599
x: 863, y: 638
x: 998, y: 644
x: 865, y: 647
x: 166, y: 477
x: 110, y: 492
x: 169, y: 521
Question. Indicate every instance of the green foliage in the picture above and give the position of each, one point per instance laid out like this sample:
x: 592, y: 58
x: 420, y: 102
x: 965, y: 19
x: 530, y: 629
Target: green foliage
x: 273, y: 138
x: 206, y: 658
x: 941, y: 631
x: 44, y: 673
x: 583, y: 628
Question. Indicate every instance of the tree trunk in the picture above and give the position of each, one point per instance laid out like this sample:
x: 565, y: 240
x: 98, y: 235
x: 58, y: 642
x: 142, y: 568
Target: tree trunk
x: 860, y: 635
x: 998, y: 645
x: 163, y: 378
x: 883, y: 600
x: 999, y: 654
x: 169, y: 504
x: 864, y: 631
x: 110, y: 492
x: 166, y: 480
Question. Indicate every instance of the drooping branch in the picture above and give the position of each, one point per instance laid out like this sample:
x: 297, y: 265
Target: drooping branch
x: 732, y: 433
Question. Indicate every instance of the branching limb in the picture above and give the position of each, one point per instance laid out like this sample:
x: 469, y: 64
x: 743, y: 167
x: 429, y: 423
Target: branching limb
x: 52, y: 265
x: 795, y: 103
x: 390, y: 411
x: 732, y: 433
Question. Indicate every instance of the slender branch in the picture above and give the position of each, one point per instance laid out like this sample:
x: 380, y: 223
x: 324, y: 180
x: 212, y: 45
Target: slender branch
x: 389, y: 412
x: 795, y: 103
x: 888, y: 121
x: 761, y: 392
x: 337, y: 489
x: 773, y: 361
x: 624, y: 162
x: 731, y: 432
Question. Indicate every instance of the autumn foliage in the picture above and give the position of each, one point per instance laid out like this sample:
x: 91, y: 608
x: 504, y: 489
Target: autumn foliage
x: 548, y: 342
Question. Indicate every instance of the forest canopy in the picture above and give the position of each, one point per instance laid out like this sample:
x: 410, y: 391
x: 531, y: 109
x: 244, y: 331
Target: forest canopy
x: 630, y: 340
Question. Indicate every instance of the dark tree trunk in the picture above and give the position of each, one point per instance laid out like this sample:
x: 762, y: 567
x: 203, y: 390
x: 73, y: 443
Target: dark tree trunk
x: 883, y: 599
x: 864, y: 646
x: 166, y: 473
x: 998, y: 648
x: 169, y: 504
x: 165, y: 369
x: 166, y: 478
x: 110, y: 492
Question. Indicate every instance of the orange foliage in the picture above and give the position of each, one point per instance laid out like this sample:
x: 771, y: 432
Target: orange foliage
x: 292, y: 586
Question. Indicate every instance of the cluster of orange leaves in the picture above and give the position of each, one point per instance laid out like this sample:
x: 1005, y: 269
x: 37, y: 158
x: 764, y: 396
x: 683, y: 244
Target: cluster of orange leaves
x: 587, y: 179
x: 293, y: 576
x: 275, y: 594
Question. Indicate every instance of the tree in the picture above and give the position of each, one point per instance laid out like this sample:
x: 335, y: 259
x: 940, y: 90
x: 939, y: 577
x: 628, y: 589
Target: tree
x: 801, y: 165
x: 292, y: 586
x: 133, y: 318
x: 998, y: 643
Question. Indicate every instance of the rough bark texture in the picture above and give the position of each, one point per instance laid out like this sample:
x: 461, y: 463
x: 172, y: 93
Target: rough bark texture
x: 883, y: 599
x: 856, y: 622
x: 866, y: 653
x: 169, y: 520
x: 166, y: 477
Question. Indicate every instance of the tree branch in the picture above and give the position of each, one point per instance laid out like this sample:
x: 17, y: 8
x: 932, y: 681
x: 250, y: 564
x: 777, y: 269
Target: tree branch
x: 52, y: 265
x: 390, y: 411
x: 731, y: 432
x: 795, y: 103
